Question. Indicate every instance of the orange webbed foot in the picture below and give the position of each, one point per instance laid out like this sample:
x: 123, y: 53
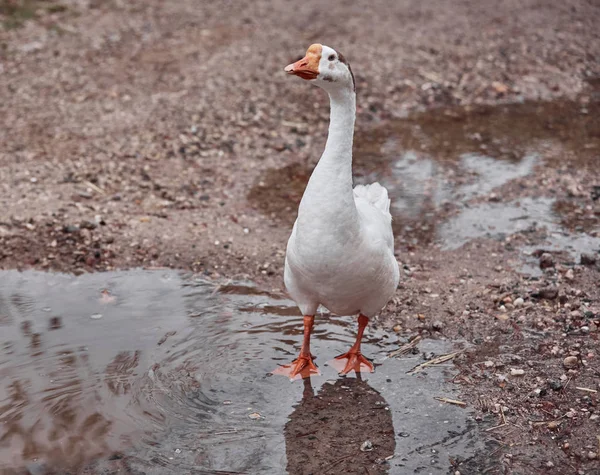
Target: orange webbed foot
x: 356, y: 362
x: 301, y: 367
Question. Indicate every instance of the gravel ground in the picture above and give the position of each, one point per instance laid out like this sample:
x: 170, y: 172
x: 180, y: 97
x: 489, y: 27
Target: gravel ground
x: 165, y: 134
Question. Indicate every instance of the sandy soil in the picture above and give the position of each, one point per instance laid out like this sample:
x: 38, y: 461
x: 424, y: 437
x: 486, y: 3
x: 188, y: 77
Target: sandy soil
x: 166, y: 134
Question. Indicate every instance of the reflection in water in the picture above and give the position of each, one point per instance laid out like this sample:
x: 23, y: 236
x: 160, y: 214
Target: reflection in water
x: 325, y: 432
x: 168, y: 376
x: 63, y: 374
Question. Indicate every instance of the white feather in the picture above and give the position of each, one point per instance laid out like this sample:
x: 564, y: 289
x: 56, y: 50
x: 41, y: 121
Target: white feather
x: 375, y: 194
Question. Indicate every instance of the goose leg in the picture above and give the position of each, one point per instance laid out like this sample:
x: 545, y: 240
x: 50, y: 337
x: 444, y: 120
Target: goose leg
x: 303, y: 366
x: 355, y: 358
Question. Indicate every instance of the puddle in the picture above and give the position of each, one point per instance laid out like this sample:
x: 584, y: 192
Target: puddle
x: 157, y: 373
x: 437, y: 164
x: 496, y: 220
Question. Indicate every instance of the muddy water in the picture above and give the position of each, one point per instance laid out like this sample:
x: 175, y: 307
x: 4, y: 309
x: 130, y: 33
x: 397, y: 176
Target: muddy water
x: 441, y: 164
x: 154, y: 372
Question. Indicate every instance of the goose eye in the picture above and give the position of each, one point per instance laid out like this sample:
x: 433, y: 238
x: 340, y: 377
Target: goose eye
x: 331, y: 57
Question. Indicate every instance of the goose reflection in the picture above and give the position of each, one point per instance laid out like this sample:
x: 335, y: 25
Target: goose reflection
x: 326, y: 430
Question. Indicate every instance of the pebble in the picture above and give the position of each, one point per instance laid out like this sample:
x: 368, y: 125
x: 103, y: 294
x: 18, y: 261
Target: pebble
x: 549, y: 293
x: 570, y: 362
x: 519, y: 302
x: 517, y: 372
x: 588, y: 259
x: 366, y: 446
x: 553, y: 425
x: 437, y: 325
x: 70, y: 228
x: 255, y: 416
x: 555, y: 385
x: 592, y: 455
x: 569, y: 275
x: 546, y: 261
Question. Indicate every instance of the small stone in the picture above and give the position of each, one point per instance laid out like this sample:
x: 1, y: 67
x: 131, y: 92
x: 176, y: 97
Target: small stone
x: 571, y: 362
x: 539, y: 392
x: 549, y: 293
x: 96, y: 316
x: 517, y: 372
x: 366, y: 446
x: 553, y: 425
x: 588, y: 259
x: 437, y: 325
x: 569, y: 275
x: 489, y: 364
x: 592, y: 455
x: 549, y: 464
x: 546, y: 261
x: 70, y: 229
x: 519, y: 302
x: 255, y: 416
x: 555, y: 385
x: 499, y: 87
x: 88, y: 225
x: 397, y: 328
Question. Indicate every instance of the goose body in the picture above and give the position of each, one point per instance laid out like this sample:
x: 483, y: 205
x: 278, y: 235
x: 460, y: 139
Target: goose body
x: 340, y: 253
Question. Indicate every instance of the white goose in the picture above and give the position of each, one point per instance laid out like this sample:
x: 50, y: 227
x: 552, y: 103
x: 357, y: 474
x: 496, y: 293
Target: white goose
x: 341, y: 250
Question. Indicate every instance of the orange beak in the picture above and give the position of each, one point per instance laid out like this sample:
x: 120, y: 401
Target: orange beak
x: 308, y: 67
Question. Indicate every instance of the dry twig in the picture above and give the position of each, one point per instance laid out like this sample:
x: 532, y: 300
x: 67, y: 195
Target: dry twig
x: 433, y: 362
x: 404, y: 349
x: 451, y: 401
x: 587, y: 390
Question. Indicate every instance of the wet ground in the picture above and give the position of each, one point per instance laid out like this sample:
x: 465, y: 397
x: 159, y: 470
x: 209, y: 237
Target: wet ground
x: 157, y: 372
x: 445, y: 170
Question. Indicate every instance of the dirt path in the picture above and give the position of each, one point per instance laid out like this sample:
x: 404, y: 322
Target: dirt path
x: 165, y: 134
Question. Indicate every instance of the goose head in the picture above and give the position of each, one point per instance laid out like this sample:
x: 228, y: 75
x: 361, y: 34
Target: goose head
x: 326, y: 67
